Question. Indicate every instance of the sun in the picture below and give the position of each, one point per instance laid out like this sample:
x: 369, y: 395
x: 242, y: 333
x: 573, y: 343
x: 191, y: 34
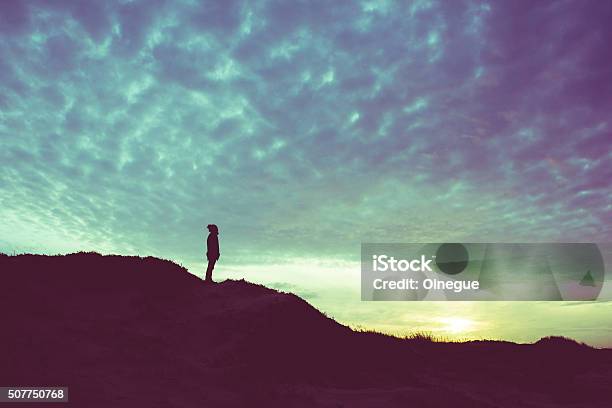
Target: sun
x: 456, y: 325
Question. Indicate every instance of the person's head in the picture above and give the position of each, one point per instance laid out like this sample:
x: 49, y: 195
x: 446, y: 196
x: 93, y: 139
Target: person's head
x: 212, y: 228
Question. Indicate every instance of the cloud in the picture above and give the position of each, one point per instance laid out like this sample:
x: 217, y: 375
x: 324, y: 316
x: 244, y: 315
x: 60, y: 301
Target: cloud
x: 302, y: 128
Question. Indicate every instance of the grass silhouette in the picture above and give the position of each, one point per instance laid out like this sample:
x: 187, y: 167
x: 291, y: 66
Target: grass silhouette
x: 127, y: 331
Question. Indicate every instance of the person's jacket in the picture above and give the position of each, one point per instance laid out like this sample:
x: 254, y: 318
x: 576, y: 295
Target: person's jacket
x: 212, y: 247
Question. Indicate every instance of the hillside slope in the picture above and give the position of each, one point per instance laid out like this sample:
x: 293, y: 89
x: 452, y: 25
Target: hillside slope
x: 130, y: 331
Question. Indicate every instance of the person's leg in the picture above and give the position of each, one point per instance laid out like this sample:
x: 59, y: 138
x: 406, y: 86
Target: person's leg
x: 211, y: 266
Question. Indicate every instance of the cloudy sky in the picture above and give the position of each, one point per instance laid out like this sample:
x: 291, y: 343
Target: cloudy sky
x: 305, y: 128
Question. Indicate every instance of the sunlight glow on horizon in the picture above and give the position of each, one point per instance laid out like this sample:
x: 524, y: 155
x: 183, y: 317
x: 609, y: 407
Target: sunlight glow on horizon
x: 456, y: 325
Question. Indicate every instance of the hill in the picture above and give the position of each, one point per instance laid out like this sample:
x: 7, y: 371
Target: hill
x: 129, y: 331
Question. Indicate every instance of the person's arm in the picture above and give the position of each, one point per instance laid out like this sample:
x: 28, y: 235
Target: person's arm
x: 217, y: 246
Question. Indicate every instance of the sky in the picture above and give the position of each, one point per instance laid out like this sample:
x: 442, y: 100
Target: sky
x: 303, y: 129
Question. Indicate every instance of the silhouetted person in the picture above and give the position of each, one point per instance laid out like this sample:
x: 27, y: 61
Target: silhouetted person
x: 212, y: 250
